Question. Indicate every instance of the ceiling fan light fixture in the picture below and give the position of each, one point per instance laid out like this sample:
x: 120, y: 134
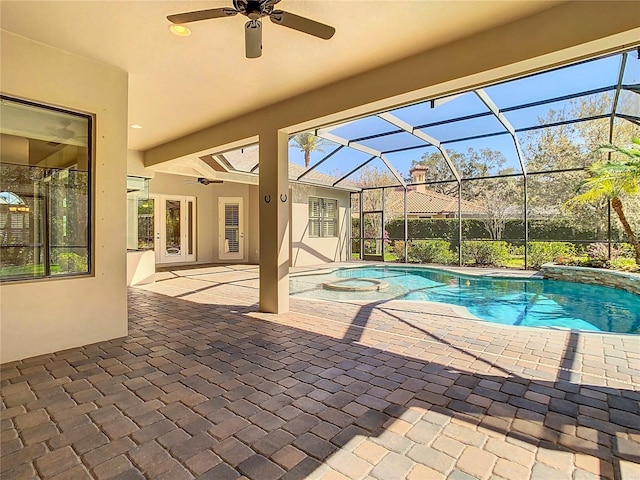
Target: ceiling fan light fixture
x: 179, y: 30
x: 253, y: 38
x: 255, y: 10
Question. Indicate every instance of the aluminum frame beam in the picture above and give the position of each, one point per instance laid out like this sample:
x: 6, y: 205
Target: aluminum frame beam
x: 506, y: 109
x: 393, y: 120
x: 616, y: 97
x: 313, y: 167
x: 322, y: 133
x: 493, y: 108
x: 629, y: 118
x: 353, y: 171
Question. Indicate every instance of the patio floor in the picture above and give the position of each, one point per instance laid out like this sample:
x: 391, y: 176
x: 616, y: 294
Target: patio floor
x: 204, y: 386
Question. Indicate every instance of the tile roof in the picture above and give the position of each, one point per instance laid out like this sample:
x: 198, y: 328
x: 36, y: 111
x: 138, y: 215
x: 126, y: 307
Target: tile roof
x: 428, y: 202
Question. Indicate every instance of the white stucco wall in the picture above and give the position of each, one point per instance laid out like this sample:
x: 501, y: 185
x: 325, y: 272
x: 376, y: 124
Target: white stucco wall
x: 207, y: 227
x: 304, y: 251
x: 312, y: 251
x: 43, y: 316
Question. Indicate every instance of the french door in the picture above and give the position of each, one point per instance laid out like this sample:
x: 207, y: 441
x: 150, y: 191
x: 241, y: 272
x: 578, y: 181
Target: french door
x: 175, y: 229
x: 230, y: 228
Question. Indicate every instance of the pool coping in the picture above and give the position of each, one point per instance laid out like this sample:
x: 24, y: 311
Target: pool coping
x: 626, y: 281
x: 471, y: 272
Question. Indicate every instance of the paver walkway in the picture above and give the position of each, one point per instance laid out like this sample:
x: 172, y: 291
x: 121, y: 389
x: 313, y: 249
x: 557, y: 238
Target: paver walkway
x: 205, y: 386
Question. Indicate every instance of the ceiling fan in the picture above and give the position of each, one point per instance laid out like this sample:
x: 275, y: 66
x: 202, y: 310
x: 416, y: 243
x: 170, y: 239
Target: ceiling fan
x: 208, y: 181
x: 255, y: 10
x: 204, y: 181
x: 63, y: 132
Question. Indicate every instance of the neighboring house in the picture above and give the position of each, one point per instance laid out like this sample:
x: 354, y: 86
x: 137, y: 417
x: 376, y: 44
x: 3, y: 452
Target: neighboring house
x: 423, y: 202
x: 81, y: 94
x: 205, y: 210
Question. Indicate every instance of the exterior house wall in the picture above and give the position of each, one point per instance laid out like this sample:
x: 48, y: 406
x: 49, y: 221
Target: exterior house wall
x: 47, y: 315
x: 304, y: 251
x: 207, y: 226
x: 312, y: 251
x: 253, y: 229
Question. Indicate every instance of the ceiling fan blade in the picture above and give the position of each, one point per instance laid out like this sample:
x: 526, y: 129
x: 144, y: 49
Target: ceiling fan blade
x: 302, y: 24
x: 201, y: 15
x: 253, y: 38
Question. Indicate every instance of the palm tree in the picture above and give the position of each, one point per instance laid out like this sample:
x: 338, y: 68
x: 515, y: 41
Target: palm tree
x: 307, y: 143
x: 611, y: 180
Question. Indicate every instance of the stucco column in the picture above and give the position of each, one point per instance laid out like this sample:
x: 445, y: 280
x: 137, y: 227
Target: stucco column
x: 274, y: 222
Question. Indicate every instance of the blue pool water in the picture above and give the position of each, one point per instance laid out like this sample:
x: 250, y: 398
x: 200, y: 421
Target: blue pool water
x: 508, y: 301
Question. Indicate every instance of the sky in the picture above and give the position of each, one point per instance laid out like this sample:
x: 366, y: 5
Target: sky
x: 578, y: 78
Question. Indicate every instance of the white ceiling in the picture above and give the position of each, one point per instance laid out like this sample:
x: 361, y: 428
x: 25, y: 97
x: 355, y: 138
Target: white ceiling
x: 181, y: 85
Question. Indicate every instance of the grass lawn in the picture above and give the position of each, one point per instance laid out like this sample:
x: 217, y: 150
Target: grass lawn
x: 515, y: 261
x: 26, y: 270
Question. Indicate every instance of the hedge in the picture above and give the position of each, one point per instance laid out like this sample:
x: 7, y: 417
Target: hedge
x: 430, y: 251
x: 485, y: 253
x: 554, y: 229
x: 540, y: 253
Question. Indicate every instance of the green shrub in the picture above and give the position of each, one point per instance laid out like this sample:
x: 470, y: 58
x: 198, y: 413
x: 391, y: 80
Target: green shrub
x: 430, y: 251
x: 485, y: 253
x: 624, y: 264
x: 598, y: 251
x: 623, y: 250
x: 396, y: 248
x: 539, y: 253
x: 72, y: 263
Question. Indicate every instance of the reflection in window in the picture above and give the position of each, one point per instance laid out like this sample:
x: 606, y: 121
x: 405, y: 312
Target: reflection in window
x: 173, y: 236
x: 140, y: 211
x: 45, y: 161
x: 323, y: 217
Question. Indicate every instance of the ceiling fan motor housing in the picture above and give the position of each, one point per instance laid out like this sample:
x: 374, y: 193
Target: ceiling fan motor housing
x: 254, y: 9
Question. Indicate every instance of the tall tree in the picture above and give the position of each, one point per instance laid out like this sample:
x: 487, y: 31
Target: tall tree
x: 573, y: 145
x: 308, y: 143
x: 500, y: 200
x: 470, y: 164
x: 614, y: 179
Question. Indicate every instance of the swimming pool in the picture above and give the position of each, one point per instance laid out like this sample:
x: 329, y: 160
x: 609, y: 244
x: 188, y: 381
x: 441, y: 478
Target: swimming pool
x: 507, y: 301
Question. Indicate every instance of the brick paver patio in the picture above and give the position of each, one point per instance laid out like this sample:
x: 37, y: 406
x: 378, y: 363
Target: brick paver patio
x: 204, y: 386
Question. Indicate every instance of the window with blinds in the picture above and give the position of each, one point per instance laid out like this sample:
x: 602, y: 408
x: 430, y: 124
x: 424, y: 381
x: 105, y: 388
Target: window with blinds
x: 232, y: 227
x: 323, y: 217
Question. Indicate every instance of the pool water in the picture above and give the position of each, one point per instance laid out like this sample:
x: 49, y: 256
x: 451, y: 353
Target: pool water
x: 507, y: 301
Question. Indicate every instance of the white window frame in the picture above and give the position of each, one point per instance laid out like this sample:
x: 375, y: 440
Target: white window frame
x: 319, y: 231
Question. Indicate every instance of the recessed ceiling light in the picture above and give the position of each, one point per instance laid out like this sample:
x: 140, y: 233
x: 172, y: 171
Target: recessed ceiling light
x: 180, y: 30
x: 136, y: 126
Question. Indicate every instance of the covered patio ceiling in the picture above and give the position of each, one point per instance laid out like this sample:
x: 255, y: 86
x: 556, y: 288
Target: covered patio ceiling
x: 179, y: 85
x: 493, y: 118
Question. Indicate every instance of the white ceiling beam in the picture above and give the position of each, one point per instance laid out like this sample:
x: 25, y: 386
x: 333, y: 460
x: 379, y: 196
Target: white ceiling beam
x: 393, y: 120
x: 493, y: 108
x: 361, y: 148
